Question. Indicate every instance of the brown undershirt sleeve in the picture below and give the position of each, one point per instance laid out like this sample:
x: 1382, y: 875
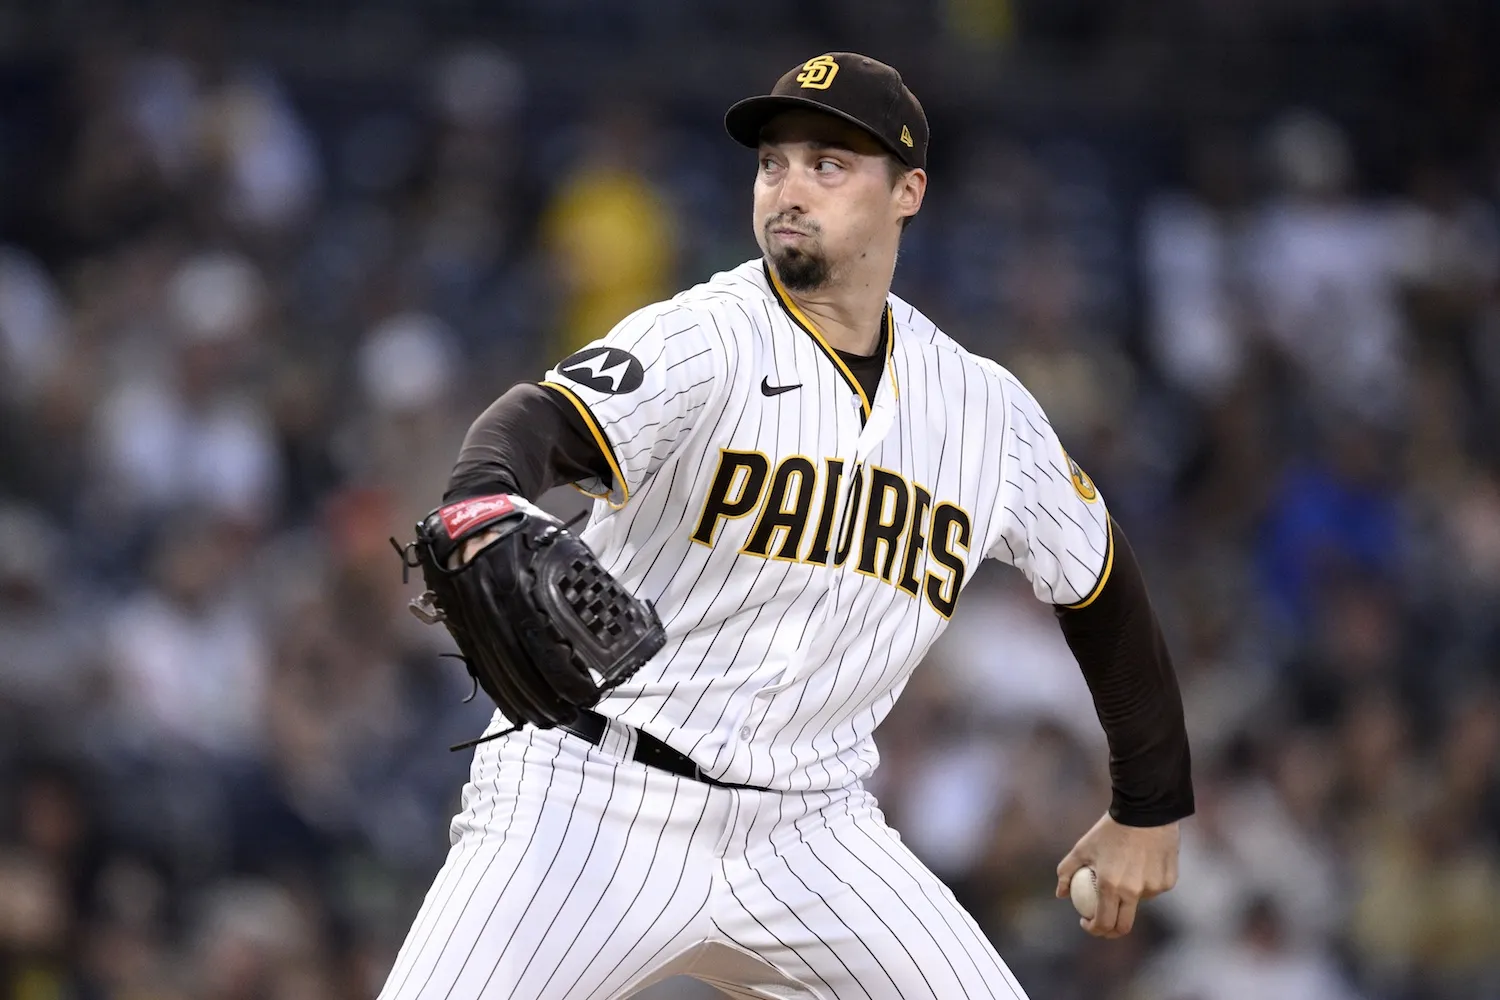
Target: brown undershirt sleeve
x: 527, y: 441
x: 1120, y: 648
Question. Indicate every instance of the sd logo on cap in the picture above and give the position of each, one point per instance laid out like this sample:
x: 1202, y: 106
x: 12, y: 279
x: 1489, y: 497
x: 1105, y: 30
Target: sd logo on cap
x: 818, y: 73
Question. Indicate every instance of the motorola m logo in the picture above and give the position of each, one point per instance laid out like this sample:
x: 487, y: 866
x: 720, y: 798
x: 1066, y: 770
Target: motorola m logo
x: 604, y: 369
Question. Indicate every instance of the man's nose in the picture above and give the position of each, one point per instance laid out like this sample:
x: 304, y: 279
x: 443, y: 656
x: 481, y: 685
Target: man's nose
x: 791, y: 197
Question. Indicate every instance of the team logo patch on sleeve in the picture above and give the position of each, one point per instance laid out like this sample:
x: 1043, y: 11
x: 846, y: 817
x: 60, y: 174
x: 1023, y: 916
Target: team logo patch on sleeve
x: 1081, y: 481
x: 604, y: 369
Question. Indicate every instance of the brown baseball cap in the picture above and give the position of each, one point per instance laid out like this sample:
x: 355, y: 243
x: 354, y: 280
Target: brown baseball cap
x: 847, y: 85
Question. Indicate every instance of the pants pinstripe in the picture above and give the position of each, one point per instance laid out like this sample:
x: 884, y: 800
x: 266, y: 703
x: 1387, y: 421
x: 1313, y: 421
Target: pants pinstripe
x: 574, y: 875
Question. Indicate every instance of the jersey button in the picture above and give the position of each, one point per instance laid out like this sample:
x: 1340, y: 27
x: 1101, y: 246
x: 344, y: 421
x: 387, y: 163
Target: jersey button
x: 744, y: 732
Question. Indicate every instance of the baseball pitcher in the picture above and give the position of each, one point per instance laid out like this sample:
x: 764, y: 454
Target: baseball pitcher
x: 796, y: 474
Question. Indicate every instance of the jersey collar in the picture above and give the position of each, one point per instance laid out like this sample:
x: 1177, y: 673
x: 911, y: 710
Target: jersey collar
x: 810, y: 328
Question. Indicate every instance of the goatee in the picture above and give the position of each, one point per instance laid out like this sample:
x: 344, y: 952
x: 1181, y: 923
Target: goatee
x: 800, y: 272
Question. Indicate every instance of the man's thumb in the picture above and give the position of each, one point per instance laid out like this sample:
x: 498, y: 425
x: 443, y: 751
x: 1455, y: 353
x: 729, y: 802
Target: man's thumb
x: 1065, y: 870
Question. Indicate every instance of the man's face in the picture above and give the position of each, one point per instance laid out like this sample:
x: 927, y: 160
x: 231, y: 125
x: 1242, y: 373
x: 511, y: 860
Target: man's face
x: 823, y: 192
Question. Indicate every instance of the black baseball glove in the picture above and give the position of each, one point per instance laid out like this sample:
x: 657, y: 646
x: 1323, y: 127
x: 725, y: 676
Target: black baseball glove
x: 543, y: 628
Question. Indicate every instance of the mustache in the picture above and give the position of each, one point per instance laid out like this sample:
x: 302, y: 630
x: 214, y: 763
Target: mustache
x: 800, y: 223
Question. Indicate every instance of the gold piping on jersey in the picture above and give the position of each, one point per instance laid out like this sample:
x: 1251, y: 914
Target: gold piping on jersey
x: 604, y: 446
x: 811, y: 329
x: 1109, y: 564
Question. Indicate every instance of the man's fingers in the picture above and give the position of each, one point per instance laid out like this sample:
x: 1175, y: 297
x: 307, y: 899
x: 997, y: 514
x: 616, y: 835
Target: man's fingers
x: 1065, y: 870
x: 1151, y: 892
x: 1105, y: 915
x: 472, y: 547
x: 1117, y: 907
x: 1125, y: 918
x: 1162, y: 881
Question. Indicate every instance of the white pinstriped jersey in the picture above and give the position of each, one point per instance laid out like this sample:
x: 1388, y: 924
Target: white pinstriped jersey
x: 804, y: 545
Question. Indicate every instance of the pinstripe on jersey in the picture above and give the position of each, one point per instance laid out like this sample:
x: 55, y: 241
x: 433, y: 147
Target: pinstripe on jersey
x: 576, y: 875
x: 804, y: 549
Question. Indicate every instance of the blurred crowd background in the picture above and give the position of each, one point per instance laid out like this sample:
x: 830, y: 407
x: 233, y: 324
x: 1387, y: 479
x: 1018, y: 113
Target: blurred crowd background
x: 262, y: 262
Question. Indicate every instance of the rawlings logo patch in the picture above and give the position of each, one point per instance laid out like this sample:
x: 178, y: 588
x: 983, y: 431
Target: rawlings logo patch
x: 460, y: 517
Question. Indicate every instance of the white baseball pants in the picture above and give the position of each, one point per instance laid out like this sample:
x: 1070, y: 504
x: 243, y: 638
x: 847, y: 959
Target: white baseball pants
x: 577, y: 875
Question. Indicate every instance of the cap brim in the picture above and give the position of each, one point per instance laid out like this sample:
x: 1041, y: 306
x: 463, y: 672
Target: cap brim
x: 744, y: 120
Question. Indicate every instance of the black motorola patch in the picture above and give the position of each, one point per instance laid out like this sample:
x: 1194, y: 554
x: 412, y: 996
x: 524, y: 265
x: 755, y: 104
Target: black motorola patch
x: 604, y: 369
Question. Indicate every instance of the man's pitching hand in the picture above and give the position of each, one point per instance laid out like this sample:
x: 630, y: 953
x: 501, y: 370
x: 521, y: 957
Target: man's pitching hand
x: 1132, y: 863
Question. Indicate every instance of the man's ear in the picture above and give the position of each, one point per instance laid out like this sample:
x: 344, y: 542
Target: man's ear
x: 911, y: 188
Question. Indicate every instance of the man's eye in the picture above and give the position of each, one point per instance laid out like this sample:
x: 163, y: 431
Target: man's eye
x: 827, y: 166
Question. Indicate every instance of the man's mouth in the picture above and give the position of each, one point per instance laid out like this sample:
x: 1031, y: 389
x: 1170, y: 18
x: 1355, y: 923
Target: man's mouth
x: 787, y: 229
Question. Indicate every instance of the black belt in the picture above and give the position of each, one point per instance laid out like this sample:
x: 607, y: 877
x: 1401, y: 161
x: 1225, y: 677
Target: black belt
x: 649, y: 750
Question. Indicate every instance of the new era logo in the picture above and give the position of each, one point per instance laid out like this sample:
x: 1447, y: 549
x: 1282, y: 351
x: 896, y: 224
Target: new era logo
x: 906, y: 136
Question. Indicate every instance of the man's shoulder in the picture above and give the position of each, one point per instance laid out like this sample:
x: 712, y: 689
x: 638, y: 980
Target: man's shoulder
x: 916, y: 329
x: 720, y: 314
x: 737, y: 291
x: 728, y: 303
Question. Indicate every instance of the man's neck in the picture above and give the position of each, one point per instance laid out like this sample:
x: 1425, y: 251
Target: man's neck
x: 848, y: 313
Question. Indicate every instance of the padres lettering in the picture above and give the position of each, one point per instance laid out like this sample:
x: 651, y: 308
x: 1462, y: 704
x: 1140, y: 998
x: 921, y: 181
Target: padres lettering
x: 894, y: 521
x: 818, y: 73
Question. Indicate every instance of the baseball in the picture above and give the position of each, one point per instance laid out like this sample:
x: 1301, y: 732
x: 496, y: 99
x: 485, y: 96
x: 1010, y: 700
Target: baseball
x: 1084, y: 891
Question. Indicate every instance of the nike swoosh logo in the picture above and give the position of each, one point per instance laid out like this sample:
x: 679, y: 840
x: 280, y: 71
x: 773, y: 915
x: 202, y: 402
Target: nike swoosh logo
x: 767, y: 389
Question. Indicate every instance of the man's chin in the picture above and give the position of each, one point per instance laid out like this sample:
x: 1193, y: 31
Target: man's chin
x: 798, y: 271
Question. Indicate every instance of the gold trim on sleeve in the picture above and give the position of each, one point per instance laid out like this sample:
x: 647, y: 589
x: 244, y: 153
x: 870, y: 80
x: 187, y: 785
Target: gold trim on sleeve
x: 1109, y: 564
x: 609, y: 453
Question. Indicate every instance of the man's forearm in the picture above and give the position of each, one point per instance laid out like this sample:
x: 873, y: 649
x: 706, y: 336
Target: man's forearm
x: 527, y: 441
x: 1119, y: 646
